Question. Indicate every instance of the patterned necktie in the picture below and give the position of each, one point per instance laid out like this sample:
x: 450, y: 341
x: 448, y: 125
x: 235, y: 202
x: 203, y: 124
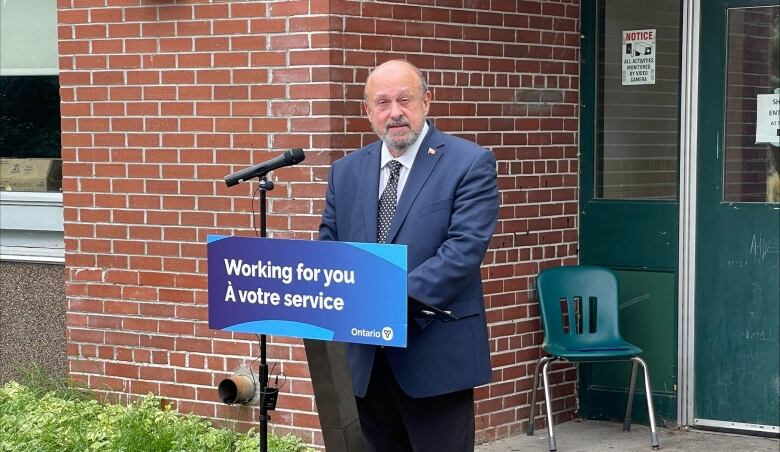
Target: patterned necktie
x: 388, y: 201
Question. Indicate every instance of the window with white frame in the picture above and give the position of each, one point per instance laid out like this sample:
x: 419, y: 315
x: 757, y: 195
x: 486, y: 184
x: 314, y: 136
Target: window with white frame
x: 31, y: 222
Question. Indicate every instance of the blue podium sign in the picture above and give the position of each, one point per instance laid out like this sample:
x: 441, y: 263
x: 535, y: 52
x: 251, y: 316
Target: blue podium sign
x: 340, y: 291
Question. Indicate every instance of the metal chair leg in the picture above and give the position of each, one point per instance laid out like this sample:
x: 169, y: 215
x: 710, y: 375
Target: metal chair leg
x: 650, y: 411
x: 548, y: 405
x: 630, y: 403
x: 532, y: 414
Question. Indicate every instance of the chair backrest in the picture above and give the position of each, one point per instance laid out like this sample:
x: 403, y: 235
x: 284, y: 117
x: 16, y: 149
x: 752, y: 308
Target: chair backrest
x: 579, y: 306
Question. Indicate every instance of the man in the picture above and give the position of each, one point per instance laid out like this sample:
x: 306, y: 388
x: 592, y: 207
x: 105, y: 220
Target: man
x: 437, y: 194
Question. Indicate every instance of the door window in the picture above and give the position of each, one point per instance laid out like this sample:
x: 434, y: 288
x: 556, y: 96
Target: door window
x: 752, y: 144
x: 637, y: 117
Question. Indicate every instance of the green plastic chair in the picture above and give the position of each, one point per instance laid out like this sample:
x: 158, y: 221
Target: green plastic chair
x: 579, y: 309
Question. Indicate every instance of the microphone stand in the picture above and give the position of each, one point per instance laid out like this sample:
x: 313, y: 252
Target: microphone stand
x: 265, y: 186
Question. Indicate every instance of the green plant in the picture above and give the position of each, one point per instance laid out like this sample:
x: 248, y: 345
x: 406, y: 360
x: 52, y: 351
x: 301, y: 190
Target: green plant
x: 62, y: 418
x: 39, y: 382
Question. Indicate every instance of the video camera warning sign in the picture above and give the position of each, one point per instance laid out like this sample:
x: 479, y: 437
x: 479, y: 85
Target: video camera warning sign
x: 639, y: 57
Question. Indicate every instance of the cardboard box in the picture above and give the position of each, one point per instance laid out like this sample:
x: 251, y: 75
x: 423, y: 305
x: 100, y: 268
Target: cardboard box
x: 34, y: 174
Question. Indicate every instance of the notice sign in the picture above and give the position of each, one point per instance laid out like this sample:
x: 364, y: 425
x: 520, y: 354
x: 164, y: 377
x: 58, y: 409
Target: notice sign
x: 639, y: 57
x: 768, y: 118
x: 348, y: 292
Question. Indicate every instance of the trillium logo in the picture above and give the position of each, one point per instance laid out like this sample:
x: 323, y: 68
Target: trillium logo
x: 387, y: 333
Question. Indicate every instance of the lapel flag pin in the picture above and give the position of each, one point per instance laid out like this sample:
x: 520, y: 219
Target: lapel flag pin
x: 431, y: 151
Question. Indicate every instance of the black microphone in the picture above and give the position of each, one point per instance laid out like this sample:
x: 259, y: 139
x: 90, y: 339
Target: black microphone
x: 289, y: 158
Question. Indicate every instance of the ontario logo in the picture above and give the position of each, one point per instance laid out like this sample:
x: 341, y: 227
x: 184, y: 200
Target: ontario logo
x: 387, y: 333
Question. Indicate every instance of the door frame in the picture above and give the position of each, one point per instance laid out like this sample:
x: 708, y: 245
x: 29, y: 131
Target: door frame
x: 686, y: 284
x: 689, y: 117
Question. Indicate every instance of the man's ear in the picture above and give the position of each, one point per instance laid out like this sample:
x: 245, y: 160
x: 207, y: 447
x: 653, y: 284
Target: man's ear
x: 427, y: 101
x: 366, y: 109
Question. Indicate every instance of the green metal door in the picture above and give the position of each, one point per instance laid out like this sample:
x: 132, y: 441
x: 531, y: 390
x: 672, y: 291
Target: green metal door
x: 629, y: 196
x: 737, y: 326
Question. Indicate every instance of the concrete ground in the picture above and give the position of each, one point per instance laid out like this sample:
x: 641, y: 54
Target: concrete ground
x: 592, y: 436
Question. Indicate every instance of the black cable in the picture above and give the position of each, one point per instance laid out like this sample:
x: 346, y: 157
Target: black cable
x: 284, y: 382
x: 270, y: 372
x: 252, y: 372
x: 258, y: 357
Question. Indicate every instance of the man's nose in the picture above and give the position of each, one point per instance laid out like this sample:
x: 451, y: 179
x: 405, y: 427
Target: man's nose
x: 395, y: 110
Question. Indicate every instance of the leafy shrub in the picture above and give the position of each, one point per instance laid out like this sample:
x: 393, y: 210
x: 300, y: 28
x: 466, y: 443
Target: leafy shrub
x: 58, y: 419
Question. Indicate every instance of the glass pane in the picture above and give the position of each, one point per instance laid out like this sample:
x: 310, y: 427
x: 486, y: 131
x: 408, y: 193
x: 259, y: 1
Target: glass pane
x: 28, y: 37
x: 752, y: 157
x: 637, y: 129
x: 30, y: 134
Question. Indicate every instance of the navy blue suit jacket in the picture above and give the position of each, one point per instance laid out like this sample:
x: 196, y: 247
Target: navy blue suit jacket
x: 446, y: 215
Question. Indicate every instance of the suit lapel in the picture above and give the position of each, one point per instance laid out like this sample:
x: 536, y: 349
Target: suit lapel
x: 424, y: 162
x: 369, y: 195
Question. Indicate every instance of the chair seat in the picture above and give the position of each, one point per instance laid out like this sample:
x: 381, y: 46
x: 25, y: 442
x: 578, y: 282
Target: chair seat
x: 594, y: 352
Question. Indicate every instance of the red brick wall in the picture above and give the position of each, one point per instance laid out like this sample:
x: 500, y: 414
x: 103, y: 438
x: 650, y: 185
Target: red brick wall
x: 161, y: 99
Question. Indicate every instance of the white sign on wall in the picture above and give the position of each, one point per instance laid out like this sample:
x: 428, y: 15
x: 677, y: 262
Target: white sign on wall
x: 639, y: 57
x: 768, y: 118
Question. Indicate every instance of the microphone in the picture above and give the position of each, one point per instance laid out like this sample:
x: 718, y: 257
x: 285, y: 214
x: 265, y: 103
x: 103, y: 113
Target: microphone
x: 289, y: 158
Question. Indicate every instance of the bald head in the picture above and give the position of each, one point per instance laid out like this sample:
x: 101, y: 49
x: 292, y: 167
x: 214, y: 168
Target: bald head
x: 396, y: 102
x: 394, y: 68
